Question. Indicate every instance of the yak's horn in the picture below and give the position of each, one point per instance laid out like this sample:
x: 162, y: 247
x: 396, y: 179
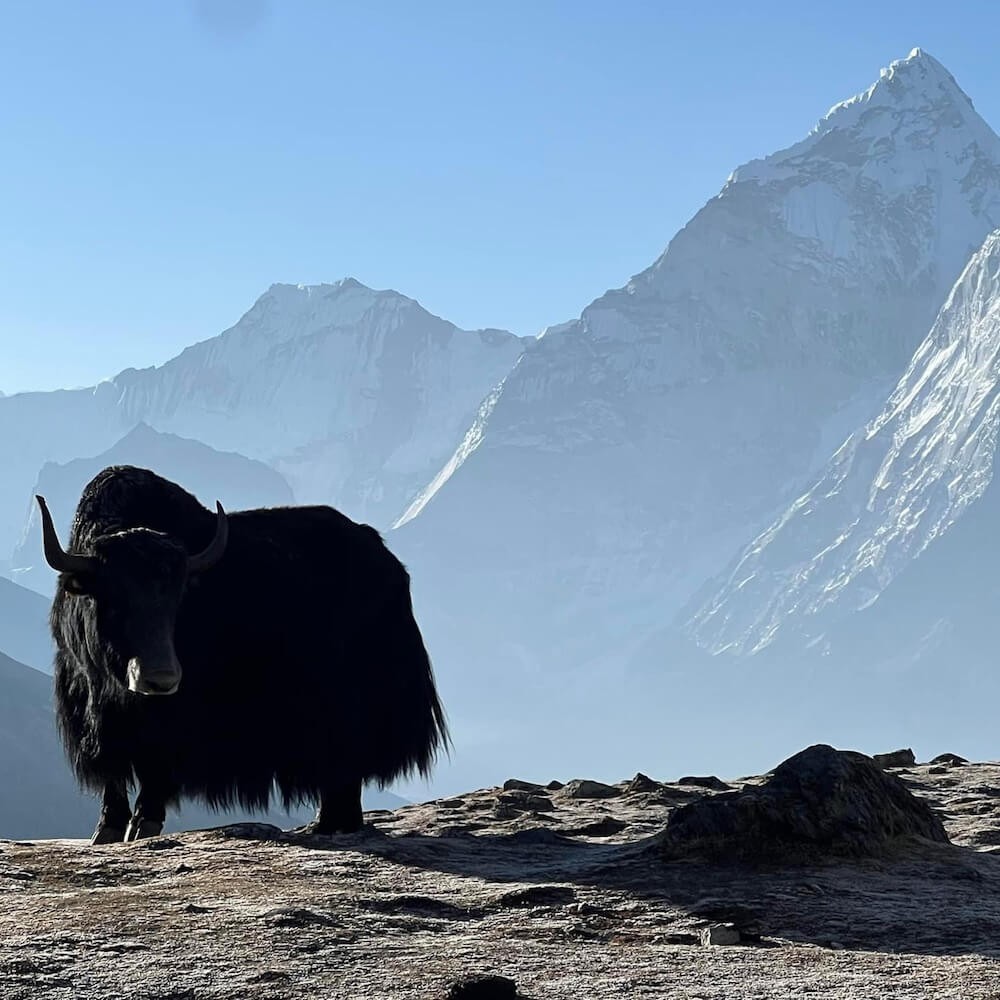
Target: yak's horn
x: 210, y: 556
x: 55, y: 555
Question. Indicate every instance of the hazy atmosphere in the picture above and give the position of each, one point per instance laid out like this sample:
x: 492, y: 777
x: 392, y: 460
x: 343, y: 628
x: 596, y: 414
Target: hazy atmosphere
x: 660, y: 346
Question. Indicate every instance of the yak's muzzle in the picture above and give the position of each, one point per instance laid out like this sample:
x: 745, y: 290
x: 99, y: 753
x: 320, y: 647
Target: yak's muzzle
x: 144, y: 678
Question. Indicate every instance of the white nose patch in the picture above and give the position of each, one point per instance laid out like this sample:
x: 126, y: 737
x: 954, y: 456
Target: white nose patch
x: 133, y: 674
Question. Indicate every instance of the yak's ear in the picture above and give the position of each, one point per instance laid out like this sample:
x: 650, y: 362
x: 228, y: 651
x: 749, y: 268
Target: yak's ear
x: 76, y: 584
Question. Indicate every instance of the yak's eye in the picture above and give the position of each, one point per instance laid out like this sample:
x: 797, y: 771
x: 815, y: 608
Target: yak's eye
x: 76, y: 585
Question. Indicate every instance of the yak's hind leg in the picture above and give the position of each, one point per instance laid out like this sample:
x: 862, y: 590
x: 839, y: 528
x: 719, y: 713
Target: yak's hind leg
x: 115, y: 814
x: 339, y: 810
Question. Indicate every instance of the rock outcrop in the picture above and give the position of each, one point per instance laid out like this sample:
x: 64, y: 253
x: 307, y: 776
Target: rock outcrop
x: 821, y: 802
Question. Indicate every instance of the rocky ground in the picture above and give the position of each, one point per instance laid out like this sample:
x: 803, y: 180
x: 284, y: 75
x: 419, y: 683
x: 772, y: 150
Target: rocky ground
x: 564, y: 890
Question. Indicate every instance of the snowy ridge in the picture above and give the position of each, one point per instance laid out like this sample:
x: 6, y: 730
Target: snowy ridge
x: 472, y: 440
x: 891, y: 490
x: 356, y: 397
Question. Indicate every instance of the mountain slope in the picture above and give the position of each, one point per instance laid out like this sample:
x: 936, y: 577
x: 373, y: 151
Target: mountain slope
x: 24, y: 625
x: 38, y: 797
x: 211, y: 475
x: 355, y: 396
x: 895, y: 487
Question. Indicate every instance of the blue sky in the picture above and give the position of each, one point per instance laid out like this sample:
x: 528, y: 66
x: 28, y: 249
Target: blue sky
x: 503, y: 163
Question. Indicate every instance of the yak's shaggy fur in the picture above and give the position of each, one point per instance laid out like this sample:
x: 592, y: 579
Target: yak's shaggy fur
x: 303, y: 666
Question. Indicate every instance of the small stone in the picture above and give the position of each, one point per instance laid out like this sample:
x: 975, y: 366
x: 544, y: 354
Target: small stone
x: 272, y: 976
x: 709, y: 781
x: 582, y: 788
x: 555, y: 786
x: 720, y: 934
x: 250, y: 831
x: 526, y: 801
x: 896, y: 758
x: 949, y: 759
x: 537, y: 836
x: 606, y: 827
x: 676, y: 938
x: 296, y: 916
x: 159, y: 844
x: 517, y: 785
x: 538, y: 895
x: 642, y: 783
x: 483, y: 988
x: 937, y: 769
x: 508, y: 810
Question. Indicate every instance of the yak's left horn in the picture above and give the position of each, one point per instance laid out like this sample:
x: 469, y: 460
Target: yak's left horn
x: 210, y: 556
x: 55, y: 555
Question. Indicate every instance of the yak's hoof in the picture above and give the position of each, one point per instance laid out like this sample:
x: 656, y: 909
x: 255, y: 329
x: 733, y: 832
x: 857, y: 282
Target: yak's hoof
x: 328, y: 829
x: 143, y: 828
x: 108, y: 835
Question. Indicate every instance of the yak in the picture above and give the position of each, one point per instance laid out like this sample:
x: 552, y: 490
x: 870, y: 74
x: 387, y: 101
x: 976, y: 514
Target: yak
x: 229, y: 657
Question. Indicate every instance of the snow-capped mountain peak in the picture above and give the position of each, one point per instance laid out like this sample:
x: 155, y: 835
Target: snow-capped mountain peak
x: 287, y: 312
x: 914, y: 105
x: 905, y: 83
x: 910, y: 148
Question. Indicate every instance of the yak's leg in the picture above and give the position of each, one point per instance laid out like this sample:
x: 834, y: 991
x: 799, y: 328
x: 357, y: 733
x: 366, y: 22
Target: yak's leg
x: 115, y: 813
x: 150, y: 809
x: 339, y: 810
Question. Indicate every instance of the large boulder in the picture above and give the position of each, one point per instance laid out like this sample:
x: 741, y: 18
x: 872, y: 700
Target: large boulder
x: 820, y: 802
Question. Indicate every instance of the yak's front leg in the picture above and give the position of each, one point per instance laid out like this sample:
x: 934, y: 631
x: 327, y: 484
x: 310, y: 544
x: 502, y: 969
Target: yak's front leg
x: 115, y: 813
x: 150, y: 809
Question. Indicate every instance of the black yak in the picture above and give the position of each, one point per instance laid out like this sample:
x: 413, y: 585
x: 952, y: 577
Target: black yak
x: 220, y: 656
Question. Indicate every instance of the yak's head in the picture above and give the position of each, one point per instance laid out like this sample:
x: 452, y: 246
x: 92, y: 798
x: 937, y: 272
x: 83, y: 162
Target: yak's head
x: 136, y: 578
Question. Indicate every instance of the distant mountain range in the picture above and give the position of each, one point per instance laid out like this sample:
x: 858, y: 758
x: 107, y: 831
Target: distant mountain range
x: 355, y: 397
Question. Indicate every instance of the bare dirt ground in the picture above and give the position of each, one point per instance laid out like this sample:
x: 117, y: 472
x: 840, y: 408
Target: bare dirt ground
x: 568, y: 896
